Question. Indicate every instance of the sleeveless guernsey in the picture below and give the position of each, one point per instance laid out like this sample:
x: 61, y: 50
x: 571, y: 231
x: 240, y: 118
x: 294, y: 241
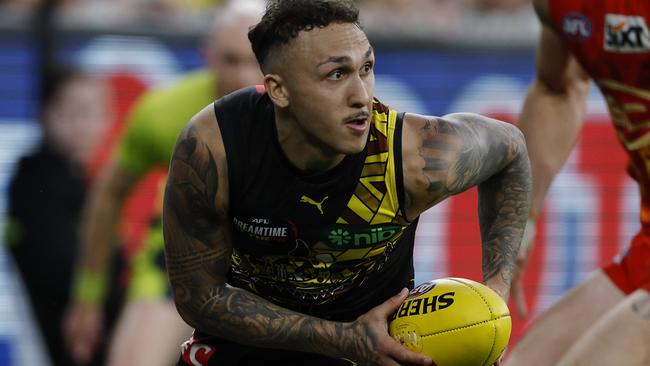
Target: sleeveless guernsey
x: 333, y: 244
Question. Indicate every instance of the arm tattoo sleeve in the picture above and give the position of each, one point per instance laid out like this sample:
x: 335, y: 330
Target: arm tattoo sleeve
x: 470, y: 150
x: 198, y: 250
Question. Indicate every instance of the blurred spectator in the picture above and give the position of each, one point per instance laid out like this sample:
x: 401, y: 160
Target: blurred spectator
x: 447, y: 21
x: 161, y: 15
x: 385, y: 17
x: 483, y: 23
x: 19, y: 4
x: 150, y: 330
x: 47, y: 195
x: 502, y: 5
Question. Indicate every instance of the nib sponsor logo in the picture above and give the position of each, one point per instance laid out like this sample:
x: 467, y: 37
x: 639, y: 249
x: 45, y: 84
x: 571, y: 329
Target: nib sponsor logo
x: 340, y: 237
x: 351, y: 237
x: 627, y: 34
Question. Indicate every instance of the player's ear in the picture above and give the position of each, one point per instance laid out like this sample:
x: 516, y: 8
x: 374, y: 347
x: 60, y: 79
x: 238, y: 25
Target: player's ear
x: 276, y: 89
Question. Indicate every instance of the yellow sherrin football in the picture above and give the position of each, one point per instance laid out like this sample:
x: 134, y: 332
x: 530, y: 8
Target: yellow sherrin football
x: 455, y: 321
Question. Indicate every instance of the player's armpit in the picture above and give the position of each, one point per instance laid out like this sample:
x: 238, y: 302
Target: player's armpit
x: 448, y: 155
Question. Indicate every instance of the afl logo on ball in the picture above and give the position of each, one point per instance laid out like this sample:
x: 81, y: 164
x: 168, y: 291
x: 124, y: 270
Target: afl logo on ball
x: 421, y: 289
x: 576, y: 26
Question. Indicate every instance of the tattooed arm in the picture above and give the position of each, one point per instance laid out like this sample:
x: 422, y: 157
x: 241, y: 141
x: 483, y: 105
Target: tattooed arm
x: 198, y: 249
x: 448, y: 155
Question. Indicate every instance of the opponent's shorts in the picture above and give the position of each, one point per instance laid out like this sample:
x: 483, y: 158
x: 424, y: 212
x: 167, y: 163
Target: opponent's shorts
x: 212, y: 351
x: 630, y: 270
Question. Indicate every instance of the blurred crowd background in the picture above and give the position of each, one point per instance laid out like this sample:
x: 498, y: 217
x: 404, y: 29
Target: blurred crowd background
x: 503, y: 21
x: 433, y: 56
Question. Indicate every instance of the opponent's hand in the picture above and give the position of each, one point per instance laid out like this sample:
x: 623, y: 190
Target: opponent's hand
x: 83, y: 330
x: 371, y: 344
x: 516, y: 287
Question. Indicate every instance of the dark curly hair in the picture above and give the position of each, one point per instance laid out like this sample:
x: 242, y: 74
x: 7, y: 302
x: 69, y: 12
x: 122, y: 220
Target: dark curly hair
x: 284, y: 19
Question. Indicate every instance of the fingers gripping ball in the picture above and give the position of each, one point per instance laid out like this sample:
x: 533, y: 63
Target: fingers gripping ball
x: 455, y: 321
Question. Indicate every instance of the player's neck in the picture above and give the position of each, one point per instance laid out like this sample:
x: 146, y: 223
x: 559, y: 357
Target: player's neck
x: 303, y: 150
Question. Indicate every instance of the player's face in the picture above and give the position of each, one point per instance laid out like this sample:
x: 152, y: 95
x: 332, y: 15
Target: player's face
x: 231, y: 58
x: 330, y: 81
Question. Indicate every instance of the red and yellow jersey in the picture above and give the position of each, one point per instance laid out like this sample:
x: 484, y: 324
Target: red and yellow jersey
x: 611, y: 40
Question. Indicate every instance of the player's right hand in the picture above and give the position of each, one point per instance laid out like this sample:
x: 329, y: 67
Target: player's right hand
x: 83, y: 330
x: 516, y: 286
x: 371, y: 344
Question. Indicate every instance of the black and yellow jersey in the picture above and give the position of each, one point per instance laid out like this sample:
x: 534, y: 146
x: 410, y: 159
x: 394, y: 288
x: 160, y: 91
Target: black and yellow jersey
x: 332, y: 244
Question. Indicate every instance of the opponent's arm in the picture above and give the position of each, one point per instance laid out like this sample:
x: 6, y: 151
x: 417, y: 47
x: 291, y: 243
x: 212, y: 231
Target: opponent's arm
x: 448, y: 155
x: 553, y: 109
x: 550, y: 120
x: 135, y: 155
x: 198, y: 251
x: 101, y: 219
x: 82, y: 324
x: 99, y: 230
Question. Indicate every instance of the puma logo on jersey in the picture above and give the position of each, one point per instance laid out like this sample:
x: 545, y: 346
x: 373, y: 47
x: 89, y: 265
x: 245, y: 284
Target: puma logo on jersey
x: 625, y: 33
x: 319, y: 205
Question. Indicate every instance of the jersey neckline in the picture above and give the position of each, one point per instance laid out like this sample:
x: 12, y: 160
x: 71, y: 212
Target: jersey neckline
x: 319, y: 177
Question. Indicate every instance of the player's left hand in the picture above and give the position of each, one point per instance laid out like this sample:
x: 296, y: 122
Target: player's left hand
x: 376, y: 346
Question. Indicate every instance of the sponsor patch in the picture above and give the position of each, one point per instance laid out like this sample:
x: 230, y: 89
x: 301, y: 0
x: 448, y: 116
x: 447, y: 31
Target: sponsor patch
x: 626, y: 34
x: 262, y: 229
x: 354, y: 237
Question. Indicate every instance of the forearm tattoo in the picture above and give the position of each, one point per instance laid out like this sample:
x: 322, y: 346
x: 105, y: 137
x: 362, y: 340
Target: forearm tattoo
x: 477, y: 151
x: 198, y: 250
x: 503, y: 210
